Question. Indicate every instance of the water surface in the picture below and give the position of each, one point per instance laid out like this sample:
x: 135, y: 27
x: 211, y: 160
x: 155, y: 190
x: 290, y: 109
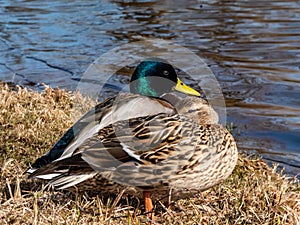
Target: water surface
x: 252, y: 47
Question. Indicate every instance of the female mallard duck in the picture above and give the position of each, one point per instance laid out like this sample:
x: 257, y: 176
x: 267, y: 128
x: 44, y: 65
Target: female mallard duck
x: 147, y: 139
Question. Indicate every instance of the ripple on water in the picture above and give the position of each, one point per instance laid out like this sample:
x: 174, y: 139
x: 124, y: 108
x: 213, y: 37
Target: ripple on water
x: 253, y: 48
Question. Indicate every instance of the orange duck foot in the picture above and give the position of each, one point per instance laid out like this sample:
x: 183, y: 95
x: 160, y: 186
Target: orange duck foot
x: 148, y: 201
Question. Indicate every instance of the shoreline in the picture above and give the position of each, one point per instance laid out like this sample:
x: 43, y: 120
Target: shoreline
x: 31, y: 122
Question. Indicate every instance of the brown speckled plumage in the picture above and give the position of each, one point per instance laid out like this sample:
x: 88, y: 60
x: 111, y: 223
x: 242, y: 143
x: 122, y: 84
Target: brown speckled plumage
x: 173, y: 151
x: 143, y: 144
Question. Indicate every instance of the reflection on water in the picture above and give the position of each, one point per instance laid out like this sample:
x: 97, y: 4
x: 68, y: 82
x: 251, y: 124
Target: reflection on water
x: 252, y: 47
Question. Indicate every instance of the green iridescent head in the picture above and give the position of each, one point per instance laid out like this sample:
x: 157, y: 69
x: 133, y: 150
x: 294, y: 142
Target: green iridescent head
x: 155, y: 78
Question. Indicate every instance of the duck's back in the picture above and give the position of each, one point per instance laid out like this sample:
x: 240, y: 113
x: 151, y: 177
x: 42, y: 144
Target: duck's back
x: 125, y: 106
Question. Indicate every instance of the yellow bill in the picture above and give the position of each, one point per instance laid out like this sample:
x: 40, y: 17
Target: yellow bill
x: 181, y: 87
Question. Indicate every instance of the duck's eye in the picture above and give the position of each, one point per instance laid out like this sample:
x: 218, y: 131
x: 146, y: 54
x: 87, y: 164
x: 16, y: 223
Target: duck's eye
x: 166, y: 72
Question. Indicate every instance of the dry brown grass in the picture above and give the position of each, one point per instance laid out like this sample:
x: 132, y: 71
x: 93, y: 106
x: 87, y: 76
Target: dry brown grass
x: 31, y: 122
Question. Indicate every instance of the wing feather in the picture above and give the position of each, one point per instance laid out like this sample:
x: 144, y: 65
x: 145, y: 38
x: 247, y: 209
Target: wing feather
x: 123, y: 107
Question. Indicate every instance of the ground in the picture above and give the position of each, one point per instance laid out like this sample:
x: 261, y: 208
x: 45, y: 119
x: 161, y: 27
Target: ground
x: 31, y: 122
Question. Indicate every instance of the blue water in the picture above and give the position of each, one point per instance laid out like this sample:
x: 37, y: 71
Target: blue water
x: 252, y: 47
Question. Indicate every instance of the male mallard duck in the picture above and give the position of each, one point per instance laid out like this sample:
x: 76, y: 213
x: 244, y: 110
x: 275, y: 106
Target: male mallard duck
x: 147, y: 139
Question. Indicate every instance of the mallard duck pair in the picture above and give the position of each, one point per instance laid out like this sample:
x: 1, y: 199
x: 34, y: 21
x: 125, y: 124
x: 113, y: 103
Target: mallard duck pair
x: 148, y: 140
